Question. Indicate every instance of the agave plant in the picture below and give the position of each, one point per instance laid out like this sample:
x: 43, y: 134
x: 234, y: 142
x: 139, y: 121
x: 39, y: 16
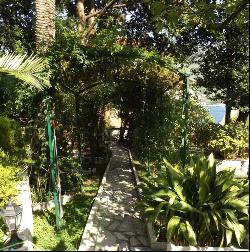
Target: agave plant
x: 30, y: 69
x: 198, y: 206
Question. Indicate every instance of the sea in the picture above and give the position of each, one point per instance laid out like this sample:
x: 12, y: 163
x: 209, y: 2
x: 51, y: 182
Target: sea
x: 218, y: 111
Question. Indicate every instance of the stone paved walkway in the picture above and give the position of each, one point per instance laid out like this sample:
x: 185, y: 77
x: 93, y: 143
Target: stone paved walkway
x: 116, y: 225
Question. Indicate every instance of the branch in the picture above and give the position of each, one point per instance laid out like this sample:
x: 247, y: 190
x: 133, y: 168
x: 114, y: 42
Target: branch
x: 98, y: 12
x: 89, y: 87
x: 101, y: 13
x: 93, y: 14
x: 234, y: 14
x: 119, y: 6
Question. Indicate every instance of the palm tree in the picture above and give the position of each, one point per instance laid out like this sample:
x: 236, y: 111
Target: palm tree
x: 30, y: 69
x: 45, y: 23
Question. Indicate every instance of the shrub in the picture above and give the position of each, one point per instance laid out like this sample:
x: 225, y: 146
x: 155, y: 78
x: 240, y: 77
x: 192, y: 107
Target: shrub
x: 9, y: 177
x: 70, y: 175
x: 230, y: 141
x: 198, y: 206
x: 10, y: 134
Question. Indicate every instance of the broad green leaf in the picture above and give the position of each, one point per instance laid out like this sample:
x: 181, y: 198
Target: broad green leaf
x: 179, y: 191
x: 176, y: 174
x: 212, y: 167
x: 230, y: 214
x: 191, y: 234
x: 227, y: 185
x: 164, y: 193
x: 239, y: 205
x: 183, y: 229
x: 158, y: 199
x: 240, y: 232
x: 211, y: 161
x: 159, y: 209
x: 229, y: 234
x: 207, y: 221
x: 149, y: 209
x: 245, y: 198
x: 224, y: 175
x: 203, y: 191
x: 229, y: 224
x: 245, y: 218
x: 215, y: 220
x: 171, y: 227
x: 182, y: 206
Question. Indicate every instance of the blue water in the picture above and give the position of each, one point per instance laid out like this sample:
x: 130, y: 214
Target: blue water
x: 217, y: 111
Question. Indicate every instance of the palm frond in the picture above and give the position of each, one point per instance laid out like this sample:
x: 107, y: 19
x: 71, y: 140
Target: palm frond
x: 30, y: 69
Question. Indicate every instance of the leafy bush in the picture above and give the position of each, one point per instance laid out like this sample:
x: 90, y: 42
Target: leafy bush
x: 9, y: 177
x: 10, y: 134
x: 230, y: 141
x: 70, y: 175
x: 197, y: 206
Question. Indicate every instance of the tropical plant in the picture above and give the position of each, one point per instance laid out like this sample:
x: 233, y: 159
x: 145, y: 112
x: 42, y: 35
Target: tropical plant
x: 197, y: 206
x: 45, y: 23
x: 30, y: 69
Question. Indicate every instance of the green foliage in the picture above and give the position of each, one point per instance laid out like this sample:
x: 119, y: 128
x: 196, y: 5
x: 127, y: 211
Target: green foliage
x: 9, y: 178
x: 157, y: 131
x: 2, y: 232
x: 17, y: 25
x: 175, y: 16
x: 197, y: 206
x: 75, y: 216
x: 30, y: 69
x: 10, y: 134
x: 70, y: 175
x: 230, y: 141
x: 224, y: 68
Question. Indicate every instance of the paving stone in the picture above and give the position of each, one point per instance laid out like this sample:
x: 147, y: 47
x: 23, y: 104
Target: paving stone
x: 125, y: 226
x: 119, y: 217
x: 114, y: 225
x: 123, y: 246
x: 143, y: 240
x: 104, y: 222
x: 105, y: 238
x: 134, y: 242
x: 130, y: 233
x: 140, y: 249
x: 117, y: 225
x: 141, y: 230
x: 120, y: 236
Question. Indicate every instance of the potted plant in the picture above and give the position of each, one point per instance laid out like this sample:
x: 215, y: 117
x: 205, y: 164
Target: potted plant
x: 196, y: 207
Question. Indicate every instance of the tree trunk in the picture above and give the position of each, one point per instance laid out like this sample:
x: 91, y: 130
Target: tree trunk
x: 92, y: 19
x: 45, y: 23
x: 243, y: 113
x: 122, y: 131
x: 242, y: 116
x: 78, y: 133
x: 80, y: 15
x: 228, y: 114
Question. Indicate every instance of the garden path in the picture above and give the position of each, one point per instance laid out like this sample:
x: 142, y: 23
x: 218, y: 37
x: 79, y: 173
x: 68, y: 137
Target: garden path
x: 114, y: 223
